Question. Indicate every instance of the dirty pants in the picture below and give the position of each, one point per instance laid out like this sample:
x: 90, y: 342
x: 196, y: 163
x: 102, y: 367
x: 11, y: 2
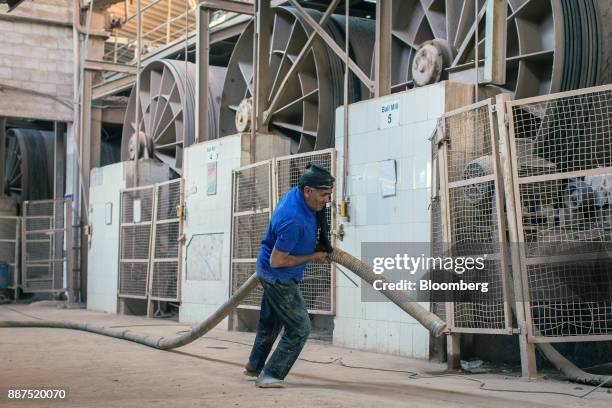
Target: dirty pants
x: 282, y: 306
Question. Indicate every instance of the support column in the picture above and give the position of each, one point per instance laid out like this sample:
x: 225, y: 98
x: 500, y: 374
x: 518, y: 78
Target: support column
x: 95, y: 151
x: 528, y: 360
x: 263, y: 23
x: 382, y: 62
x: 59, y: 161
x: 202, y: 61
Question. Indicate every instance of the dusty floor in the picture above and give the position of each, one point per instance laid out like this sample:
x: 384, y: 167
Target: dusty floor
x: 104, y: 372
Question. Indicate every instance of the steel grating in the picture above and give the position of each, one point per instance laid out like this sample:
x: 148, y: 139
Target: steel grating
x: 166, y: 255
x: 318, y: 286
x: 251, y: 208
x: 252, y: 198
x: 135, y: 241
x: 475, y: 225
x: 563, y: 146
x: 44, y: 257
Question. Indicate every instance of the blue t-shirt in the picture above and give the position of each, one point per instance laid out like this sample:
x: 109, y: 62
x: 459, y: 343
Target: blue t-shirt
x: 292, y: 229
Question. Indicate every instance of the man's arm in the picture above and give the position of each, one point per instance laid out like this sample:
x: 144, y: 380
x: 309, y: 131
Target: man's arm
x: 280, y: 259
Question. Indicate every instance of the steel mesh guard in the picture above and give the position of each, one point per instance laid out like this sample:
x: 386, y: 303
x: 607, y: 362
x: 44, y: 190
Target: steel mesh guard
x: 252, y: 201
x: 43, y: 255
x: 166, y: 267
x: 135, y: 241
x: 474, y: 219
x: 318, y: 286
x: 9, y: 245
x: 251, y: 208
x: 563, y: 146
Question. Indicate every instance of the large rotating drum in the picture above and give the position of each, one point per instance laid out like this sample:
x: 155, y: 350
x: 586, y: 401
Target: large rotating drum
x: 28, y: 168
x: 167, y: 112
x: 552, y: 45
x: 305, y: 112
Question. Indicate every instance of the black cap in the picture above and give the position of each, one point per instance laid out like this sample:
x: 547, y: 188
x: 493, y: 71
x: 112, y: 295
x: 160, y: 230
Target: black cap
x: 316, y: 176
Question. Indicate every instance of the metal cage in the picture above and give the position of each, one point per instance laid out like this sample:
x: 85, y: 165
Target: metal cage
x: 46, y: 232
x: 561, y: 145
x: 471, y: 212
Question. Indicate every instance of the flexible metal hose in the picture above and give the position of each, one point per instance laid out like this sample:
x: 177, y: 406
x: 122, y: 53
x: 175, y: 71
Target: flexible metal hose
x: 432, y: 322
x: 155, y: 342
x: 428, y: 319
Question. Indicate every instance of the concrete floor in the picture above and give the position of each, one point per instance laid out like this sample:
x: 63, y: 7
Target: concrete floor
x: 104, y: 372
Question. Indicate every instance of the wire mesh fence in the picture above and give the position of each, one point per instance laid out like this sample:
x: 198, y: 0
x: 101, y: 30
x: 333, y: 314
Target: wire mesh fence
x: 476, y: 226
x: 318, y: 286
x: 44, y: 256
x: 135, y: 241
x: 251, y: 209
x: 9, y: 247
x: 562, y: 145
x: 167, y: 227
x: 255, y: 189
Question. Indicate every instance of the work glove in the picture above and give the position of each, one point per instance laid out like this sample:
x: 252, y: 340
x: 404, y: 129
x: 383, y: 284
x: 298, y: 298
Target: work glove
x: 324, y: 244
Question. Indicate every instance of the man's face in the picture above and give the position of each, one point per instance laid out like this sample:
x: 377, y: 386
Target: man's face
x: 317, y: 198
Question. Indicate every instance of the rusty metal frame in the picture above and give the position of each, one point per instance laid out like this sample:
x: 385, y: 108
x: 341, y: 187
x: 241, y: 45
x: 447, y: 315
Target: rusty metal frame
x: 532, y: 336
x: 447, y: 224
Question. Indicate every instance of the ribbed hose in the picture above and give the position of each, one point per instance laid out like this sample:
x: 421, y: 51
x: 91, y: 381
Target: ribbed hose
x: 431, y: 322
x: 572, y: 372
x: 155, y: 342
x: 426, y: 318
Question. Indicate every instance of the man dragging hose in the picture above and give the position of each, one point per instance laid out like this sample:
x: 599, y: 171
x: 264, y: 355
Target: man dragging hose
x: 290, y: 242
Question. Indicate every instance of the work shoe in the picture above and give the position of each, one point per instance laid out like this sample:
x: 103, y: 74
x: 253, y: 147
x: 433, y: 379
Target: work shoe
x: 249, y: 371
x: 267, y: 381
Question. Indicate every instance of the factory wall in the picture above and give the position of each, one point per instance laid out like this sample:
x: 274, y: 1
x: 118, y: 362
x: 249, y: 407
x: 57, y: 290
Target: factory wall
x: 36, y: 61
x: 207, y: 226
x: 404, y: 217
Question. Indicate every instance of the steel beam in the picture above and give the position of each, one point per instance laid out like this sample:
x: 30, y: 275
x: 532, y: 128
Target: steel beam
x: 59, y: 161
x: 332, y: 44
x: 85, y: 133
x: 123, y: 83
x: 96, y: 137
x: 95, y: 65
x: 382, y: 61
x: 263, y: 22
x: 202, y: 61
x: 112, y: 87
x: 296, y: 64
x: 229, y: 5
x: 495, y: 42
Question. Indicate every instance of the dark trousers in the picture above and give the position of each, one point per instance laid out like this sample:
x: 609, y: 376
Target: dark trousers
x: 282, y: 306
